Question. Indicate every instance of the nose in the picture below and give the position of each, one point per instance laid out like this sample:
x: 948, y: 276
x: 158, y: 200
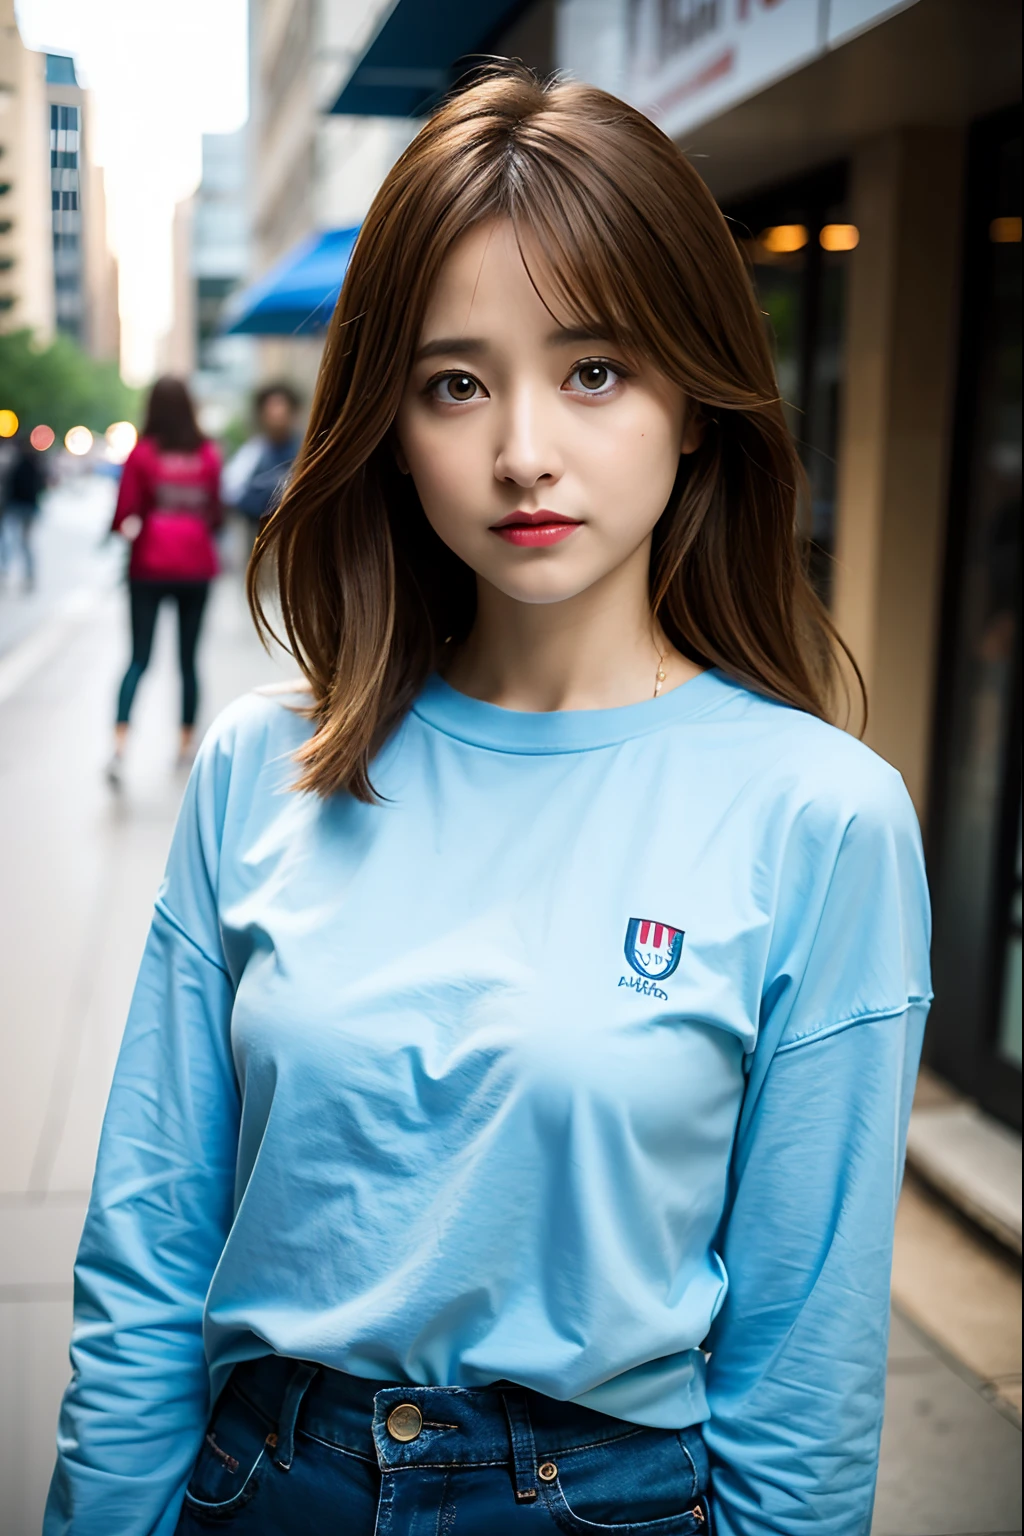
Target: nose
x: 527, y: 452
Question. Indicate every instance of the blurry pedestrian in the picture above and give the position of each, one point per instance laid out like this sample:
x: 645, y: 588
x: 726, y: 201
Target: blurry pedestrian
x: 255, y: 476
x: 26, y: 482
x: 168, y: 506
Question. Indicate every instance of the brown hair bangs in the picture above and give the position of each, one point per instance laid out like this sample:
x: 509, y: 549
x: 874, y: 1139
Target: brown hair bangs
x: 630, y: 243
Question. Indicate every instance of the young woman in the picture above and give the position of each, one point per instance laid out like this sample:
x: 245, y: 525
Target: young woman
x: 169, y: 507
x: 509, y: 1124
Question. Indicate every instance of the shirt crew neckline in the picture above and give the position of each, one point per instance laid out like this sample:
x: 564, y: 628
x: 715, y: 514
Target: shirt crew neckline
x: 563, y: 730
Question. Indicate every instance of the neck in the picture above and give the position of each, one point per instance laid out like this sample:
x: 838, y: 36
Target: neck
x: 597, y: 650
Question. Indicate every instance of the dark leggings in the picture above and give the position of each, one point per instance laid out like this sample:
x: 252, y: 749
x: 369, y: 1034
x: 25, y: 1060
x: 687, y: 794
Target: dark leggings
x: 146, y: 597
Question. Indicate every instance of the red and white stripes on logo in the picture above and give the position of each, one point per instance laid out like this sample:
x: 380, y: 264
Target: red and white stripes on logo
x: 663, y: 935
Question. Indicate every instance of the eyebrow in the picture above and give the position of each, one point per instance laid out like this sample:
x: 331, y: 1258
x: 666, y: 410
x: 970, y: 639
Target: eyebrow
x: 467, y: 345
x: 475, y: 346
x: 567, y: 335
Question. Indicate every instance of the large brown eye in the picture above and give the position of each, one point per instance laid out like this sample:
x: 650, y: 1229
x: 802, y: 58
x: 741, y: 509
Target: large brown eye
x: 460, y: 386
x: 593, y: 376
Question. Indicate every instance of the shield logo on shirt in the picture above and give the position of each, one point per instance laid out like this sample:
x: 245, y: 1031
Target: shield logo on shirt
x: 653, y: 949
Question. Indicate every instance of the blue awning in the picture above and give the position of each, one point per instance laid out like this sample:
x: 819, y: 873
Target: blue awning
x: 297, y: 296
x: 412, y: 60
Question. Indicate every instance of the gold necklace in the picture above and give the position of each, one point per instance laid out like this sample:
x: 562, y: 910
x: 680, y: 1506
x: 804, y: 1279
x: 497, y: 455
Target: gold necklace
x: 659, y: 676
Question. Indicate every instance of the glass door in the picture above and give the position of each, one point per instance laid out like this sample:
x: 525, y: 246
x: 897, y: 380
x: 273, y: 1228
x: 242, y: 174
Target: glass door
x: 797, y: 238
x: 975, y: 1035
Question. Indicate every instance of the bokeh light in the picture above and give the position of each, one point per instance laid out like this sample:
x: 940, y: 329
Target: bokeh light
x: 78, y: 441
x: 42, y: 437
x: 121, y: 439
x: 839, y: 237
x: 783, y: 239
x: 8, y: 423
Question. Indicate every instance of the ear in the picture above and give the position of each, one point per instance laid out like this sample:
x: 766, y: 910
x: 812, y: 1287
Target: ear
x: 694, y: 424
x: 400, y: 459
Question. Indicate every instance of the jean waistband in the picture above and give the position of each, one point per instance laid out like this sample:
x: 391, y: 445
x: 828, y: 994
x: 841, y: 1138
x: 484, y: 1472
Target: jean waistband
x: 395, y: 1425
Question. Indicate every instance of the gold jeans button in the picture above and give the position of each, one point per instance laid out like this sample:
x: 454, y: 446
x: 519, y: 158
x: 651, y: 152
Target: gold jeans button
x: 547, y: 1471
x: 405, y: 1422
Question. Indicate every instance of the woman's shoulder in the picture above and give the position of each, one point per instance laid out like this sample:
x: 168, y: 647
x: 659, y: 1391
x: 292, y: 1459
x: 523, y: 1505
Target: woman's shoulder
x: 257, y: 730
x: 823, y: 771
x: 145, y: 451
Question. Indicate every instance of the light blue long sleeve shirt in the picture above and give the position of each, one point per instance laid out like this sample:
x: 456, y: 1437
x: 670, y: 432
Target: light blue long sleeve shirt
x: 583, y: 1060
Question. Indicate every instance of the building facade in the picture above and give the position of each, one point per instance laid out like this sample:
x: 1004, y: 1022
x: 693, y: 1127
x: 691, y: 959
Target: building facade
x: 102, y: 315
x: 176, y: 349
x: 220, y: 262
x: 84, y: 270
x: 65, y: 101
x: 26, y: 242
x: 310, y: 170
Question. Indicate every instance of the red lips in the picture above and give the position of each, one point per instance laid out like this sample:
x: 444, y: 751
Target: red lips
x: 535, y: 529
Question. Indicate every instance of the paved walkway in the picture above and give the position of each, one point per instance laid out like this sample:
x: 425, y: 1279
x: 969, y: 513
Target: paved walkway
x: 80, y: 870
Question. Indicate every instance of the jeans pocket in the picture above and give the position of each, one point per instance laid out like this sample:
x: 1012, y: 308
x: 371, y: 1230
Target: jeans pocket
x: 651, y: 1483
x: 231, y: 1462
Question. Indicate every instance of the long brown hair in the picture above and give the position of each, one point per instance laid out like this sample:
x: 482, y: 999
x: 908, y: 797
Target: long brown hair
x: 171, y: 418
x: 635, y: 248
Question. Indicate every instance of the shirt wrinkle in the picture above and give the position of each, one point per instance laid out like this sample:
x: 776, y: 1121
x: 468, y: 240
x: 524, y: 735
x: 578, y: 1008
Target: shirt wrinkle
x: 870, y: 1016
x: 176, y: 923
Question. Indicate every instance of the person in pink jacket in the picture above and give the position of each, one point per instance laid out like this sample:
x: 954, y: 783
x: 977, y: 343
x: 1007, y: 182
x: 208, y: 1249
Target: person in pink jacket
x: 169, y: 508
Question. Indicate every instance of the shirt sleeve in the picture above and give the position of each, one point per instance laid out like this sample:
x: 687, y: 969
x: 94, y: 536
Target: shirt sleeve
x: 135, y: 1411
x: 133, y: 491
x: 796, y: 1378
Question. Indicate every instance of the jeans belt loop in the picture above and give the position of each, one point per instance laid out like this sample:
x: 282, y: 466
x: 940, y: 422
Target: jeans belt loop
x: 524, y: 1453
x: 298, y: 1385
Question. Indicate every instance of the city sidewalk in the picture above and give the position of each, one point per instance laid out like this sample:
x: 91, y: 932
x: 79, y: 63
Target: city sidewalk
x: 80, y: 871
x: 951, y: 1445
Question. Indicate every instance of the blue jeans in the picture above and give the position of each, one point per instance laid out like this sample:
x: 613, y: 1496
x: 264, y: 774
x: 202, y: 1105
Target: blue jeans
x: 295, y: 1448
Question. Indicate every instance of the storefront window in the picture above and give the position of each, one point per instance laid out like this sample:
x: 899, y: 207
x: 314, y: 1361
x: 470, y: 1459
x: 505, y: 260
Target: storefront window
x: 976, y: 863
x: 798, y: 239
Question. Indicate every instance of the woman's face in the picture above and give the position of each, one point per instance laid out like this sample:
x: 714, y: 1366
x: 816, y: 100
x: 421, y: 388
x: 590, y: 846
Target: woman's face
x: 543, y: 457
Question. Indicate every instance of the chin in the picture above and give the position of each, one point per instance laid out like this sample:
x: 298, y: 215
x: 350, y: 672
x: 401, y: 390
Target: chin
x: 542, y: 584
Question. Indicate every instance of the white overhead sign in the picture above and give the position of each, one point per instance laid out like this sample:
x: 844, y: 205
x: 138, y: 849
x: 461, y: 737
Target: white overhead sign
x: 847, y: 17
x: 689, y: 60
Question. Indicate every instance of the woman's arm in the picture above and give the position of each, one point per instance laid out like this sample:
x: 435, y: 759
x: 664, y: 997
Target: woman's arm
x: 797, y: 1372
x: 135, y: 1411
x: 133, y: 498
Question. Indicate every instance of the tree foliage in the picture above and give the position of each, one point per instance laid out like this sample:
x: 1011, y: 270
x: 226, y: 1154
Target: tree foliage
x: 61, y: 386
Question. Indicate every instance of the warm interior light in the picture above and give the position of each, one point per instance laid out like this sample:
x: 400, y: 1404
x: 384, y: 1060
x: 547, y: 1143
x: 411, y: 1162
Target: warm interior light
x: 1004, y: 231
x: 8, y: 423
x: 783, y: 238
x: 78, y: 441
x: 839, y: 237
x: 121, y: 438
x: 42, y: 437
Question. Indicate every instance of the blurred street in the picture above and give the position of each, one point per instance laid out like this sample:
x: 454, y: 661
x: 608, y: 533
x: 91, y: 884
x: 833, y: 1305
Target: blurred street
x: 73, y: 553
x: 81, y: 868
